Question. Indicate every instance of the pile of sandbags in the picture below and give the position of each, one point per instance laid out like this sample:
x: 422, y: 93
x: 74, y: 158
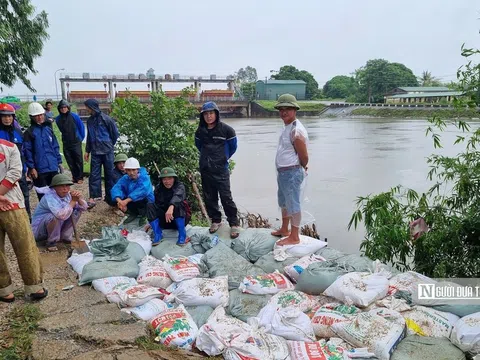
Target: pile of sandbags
x: 250, y: 298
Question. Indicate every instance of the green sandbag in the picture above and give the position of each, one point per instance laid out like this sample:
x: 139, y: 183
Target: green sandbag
x: 317, y: 277
x: 269, y: 264
x: 243, y: 306
x: 221, y: 260
x: 357, y: 263
x: 111, y: 247
x: 102, y: 269
x: 426, y: 348
x: 135, y: 250
x: 254, y: 243
x: 200, y: 314
x: 329, y: 253
x: 169, y: 246
x: 459, y: 310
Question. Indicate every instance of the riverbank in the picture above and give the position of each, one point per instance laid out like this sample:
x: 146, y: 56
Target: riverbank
x: 266, y: 108
x: 392, y: 112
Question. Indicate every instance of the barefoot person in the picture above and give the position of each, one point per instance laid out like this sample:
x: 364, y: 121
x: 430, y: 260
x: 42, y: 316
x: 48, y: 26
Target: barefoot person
x: 14, y: 222
x: 59, y: 208
x: 216, y: 142
x: 291, y: 162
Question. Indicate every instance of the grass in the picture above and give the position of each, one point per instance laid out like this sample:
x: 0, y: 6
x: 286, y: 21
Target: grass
x: 22, y: 322
x: 304, y: 105
x: 198, y: 220
x: 416, y: 113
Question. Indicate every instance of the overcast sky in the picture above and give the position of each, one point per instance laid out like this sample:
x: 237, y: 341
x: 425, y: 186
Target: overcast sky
x: 326, y: 38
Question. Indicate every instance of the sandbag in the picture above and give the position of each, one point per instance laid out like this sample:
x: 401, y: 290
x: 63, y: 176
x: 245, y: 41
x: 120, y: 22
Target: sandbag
x: 201, y: 239
x: 294, y: 270
x: 289, y: 323
x: 78, y: 261
x: 358, y: 288
x: 307, y: 246
x: 330, y: 314
x: 379, y: 331
x: 180, y: 268
x: 103, y: 269
x: 330, y: 254
x: 357, y: 263
x: 142, y: 238
x: 175, y: 328
x: 426, y: 348
x: 294, y: 298
x: 244, y: 306
x: 466, y: 333
x: 408, y: 282
x: 133, y: 295
x: 314, y: 350
x: 253, y: 243
x: 148, y: 310
x: 152, y: 272
x: 318, y: 276
x: 265, y: 284
x: 221, y: 260
x: 136, y: 251
x: 106, y: 285
x: 169, y: 246
x: 426, y: 321
x: 268, y: 263
x: 200, y: 291
x: 200, y: 314
x: 111, y: 247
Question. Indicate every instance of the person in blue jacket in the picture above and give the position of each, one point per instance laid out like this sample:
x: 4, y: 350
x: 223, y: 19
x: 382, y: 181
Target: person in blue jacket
x: 133, y: 192
x: 10, y: 130
x: 42, y: 152
x: 102, y: 134
x: 73, y: 133
x: 216, y: 142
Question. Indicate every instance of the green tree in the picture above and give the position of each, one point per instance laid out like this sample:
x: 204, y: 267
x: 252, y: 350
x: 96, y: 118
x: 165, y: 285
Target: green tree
x: 22, y: 36
x: 247, y: 75
x: 427, y: 79
x: 159, y: 133
x: 289, y: 72
x: 249, y: 90
x: 379, y: 76
x: 450, y: 246
x: 340, y: 87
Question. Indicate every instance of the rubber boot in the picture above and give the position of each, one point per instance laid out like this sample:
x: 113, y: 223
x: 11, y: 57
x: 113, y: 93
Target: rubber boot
x: 182, y: 233
x: 157, y: 231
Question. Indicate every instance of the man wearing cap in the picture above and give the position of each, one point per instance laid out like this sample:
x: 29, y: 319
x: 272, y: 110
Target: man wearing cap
x: 216, y: 142
x: 291, y: 162
x: 73, y: 133
x: 170, y: 210
x: 133, y: 191
x: 119, y: 167
x: 102, y: 134
x: 42, y: 152
x: 58, y: 208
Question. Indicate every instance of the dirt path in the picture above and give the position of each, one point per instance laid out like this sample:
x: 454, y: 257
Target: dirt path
x: 79, y: 323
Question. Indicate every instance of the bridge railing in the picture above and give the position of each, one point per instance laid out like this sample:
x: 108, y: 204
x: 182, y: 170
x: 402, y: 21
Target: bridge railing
x: 79, y: 100
x: 133, y: 76
x: 340, y: 105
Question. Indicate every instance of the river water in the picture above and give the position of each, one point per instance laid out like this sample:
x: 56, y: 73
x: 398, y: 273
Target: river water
x: 348, y: 158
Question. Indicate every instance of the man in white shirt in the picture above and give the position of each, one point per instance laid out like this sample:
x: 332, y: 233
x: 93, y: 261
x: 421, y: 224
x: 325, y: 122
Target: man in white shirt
x: 291, y: 162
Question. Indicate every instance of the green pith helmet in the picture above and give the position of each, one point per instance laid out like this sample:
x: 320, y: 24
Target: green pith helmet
x: 120, y: 157
x: 167, y: 172
x: 286, y: 100
x: 60, y: 179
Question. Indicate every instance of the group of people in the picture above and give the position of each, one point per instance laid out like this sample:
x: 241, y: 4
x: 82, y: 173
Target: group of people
x: 127, y: 185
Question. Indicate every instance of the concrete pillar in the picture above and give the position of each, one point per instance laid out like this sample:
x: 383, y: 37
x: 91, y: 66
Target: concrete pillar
x: 62, y: 86
x: 110, y: 90
x: 152, y: 85
x: 198, y: 92
x: 230, y: 85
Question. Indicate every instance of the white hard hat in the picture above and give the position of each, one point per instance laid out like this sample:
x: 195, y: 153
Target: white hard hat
x: 132, y: 163
x: 35, y: 109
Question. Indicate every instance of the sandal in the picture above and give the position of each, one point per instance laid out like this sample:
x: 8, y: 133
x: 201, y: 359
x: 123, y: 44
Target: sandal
x: 7, y: 299
x: 234, y: 232
x: 52, y: 247
x: 91, y: 204
x: 214, y: 227
x: 39, y: 296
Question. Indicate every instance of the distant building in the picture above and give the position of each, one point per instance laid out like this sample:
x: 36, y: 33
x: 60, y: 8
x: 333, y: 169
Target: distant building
x: 419, y: 94
x: 272, y: 89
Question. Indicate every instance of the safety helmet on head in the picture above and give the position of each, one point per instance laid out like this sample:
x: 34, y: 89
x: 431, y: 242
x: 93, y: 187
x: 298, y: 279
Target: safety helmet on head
x: 120, y: 157
x: 287, y: 100
x: 35, y: 108
x: 209, y: 106
x: 167, y: 172
x: 60, y: 179
x: 7, y: 109
x: 132, y: 163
